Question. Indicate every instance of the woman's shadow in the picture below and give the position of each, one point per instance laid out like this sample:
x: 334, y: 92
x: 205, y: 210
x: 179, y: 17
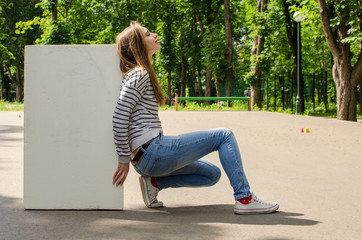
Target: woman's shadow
x: 213, y: 214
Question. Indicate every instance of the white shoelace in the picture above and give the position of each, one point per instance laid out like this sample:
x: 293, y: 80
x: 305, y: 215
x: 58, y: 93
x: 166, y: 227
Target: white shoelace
x: 256, y: 199
x: 152, y: 192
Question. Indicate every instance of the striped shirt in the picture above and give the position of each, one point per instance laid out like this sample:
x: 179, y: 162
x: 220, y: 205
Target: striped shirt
x: 135, y: 118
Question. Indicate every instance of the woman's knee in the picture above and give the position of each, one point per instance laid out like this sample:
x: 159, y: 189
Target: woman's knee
x: 217, y: 175
x: 214, y: 176
x: 225, y: 131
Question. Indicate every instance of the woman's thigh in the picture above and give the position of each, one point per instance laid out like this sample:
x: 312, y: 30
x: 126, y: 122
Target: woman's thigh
x: 200, y: 173
x: 167, y: 154
x: 200, y: 167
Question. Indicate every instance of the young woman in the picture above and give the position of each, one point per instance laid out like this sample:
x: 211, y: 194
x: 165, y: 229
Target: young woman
x: 168, y: 161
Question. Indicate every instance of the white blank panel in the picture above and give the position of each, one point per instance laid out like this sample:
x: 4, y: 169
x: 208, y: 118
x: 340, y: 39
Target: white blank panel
x: 69, y: 154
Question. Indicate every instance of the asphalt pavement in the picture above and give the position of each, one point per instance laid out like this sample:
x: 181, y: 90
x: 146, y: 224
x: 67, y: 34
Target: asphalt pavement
x: 315, y: 177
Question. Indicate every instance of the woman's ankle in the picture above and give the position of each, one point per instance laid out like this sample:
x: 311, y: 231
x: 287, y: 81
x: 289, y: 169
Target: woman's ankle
x: 245, y: 200
x: 154, y: 183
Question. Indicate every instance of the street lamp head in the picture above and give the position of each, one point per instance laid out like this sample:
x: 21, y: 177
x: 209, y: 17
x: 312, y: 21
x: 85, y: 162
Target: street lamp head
x: 298, y: 16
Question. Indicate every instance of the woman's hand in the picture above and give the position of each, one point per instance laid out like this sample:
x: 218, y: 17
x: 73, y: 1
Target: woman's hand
x: 120, y: 174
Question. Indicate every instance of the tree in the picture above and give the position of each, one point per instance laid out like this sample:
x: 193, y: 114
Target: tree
x: 168, y: 53
x: 168, y: 30
x: 192, y: 40
x: 53, y: 7
x: 360, y: 96
x: 229, y: 75
x: 12, y: 43
x: 5, y: 57
x: 206, y: 12
x: 341, y: 23
x: 256, y: 97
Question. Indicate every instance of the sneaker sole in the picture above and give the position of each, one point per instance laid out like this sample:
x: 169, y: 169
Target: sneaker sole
x: 256, y: 211
x: 145, y: 196
x: 144, y: 192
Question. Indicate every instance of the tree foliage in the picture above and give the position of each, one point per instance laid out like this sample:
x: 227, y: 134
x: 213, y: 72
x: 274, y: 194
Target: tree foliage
x: 193, y: 39
x: 12, y: 44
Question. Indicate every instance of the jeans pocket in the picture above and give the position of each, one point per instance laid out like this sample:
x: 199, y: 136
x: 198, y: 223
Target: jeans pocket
x: 160, y: 156
x: 146, y: 161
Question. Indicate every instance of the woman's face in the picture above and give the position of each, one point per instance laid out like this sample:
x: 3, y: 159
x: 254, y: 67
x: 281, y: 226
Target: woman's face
x: 153, y: 45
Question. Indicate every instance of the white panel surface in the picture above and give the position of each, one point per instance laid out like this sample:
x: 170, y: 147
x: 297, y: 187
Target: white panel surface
x: 69, y: 154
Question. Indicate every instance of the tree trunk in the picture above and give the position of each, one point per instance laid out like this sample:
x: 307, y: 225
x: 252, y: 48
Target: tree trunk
x: 217, y: 86
x: 200, y: 93
x: 168, y: 99
x: 19, y: 91
x: 345, y: 76
x: 118, y: 13
x: 6, y: 85
x: 229, y: 75
x: 256, y: 97
x: 18, y: 82
x: 192, y: 83
x: 183, y: 68
x: 325, y: 91
x: 210, y: 19
x: 54, y: 10
x: 183, y: 77
x: 19, y: 85
x: 360, y: 96
x: 346, y: 92
x: 208, y: 83
x: 139, y: 19
x: 67, y: 7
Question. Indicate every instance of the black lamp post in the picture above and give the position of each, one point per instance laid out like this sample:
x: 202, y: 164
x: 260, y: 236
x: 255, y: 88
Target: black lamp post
x: 298, y: 17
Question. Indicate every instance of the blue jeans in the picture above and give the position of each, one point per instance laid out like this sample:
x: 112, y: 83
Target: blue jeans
x: 176, y: 161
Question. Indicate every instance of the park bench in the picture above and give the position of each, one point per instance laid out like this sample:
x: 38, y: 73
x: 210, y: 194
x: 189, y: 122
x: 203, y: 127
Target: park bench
x: 212, y: 99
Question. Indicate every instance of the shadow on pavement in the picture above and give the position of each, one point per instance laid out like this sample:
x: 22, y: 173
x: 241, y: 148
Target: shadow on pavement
x: 11, y: 129
x: 196, y: 222
x: 6, y: 130
x: 213, y: 214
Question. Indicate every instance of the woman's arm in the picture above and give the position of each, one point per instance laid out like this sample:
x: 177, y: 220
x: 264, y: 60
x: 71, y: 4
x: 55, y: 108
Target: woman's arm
x: 120, y: 174
x: 129, y: 97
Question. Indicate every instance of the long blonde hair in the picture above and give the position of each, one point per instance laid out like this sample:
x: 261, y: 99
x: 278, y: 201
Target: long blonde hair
x: 132, y: 51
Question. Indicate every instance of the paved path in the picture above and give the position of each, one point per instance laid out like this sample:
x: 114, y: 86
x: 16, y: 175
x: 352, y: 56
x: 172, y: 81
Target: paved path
x: 315, y: 177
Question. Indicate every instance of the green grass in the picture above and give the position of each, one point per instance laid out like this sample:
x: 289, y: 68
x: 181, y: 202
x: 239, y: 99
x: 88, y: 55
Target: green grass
x: 242, y: 106
x: 236, y: 106
x: 11, y: 106
x: 319, y: 111
x: 194, y: 106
